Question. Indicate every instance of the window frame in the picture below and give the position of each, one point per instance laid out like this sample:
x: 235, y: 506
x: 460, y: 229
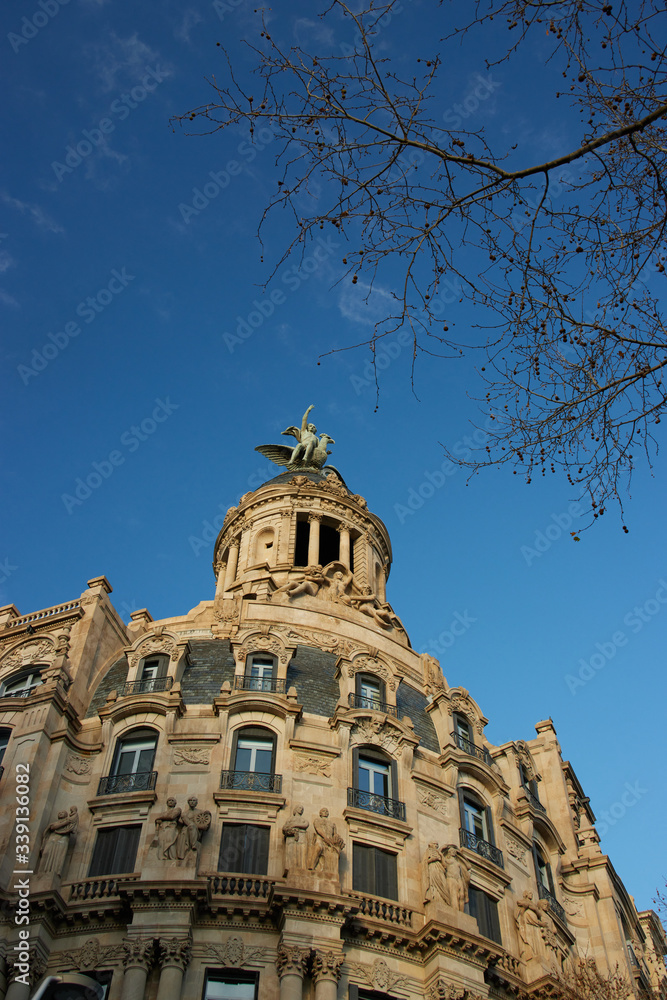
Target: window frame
x: 5, y: 737
x: 539, y: 854
x: 265, y: 676
x: 161, y: 670
x: 361, y: 868
x: 374, y: 755
x: 138, y: 735
x: 102, y: 834
x: 476, y: 801
x: 484, y: 909
x: 26, y: 674
x: 264, y: 852
x: 240, y: 975
x: 247, y: 732
x: 461, y: 721
x: 363, y: 678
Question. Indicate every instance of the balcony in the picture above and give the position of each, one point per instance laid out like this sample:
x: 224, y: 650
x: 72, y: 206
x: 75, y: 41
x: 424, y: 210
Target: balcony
x: 371, y: 704
x: 533, y: 799
x: 376, y: 803
x: 251, y: 781
x: 481, y: 847
x: 99, y: 888
x: 266, y: 685
x: 463, y: 743
x: 382, y: 909
x: 246, y: 886
x: 147, y: 686
x: 117, y: 784
x: 554, y: 905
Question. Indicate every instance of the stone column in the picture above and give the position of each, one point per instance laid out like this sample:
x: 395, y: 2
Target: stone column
x: 232, y: 562
x: 314, y: 539
x: 18, y: 991
x: 175, y: 953
x: 344, y: 533
x: 326, y: 973
x: 137, y: 961
x: 291, y: 966
x: 3, y: 976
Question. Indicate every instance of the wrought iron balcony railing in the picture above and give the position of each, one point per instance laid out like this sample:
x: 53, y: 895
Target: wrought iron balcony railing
x: 554, y: 905
x: 251, y: 781
x: 533, y: 799
x: 21, y: 693
x: 372, y: 704
x: 463, y: 743
x: 116, y: 784
x: 376, y: 803
x: 267, y: 685
x: 481, y: 847
x: 147, y: 686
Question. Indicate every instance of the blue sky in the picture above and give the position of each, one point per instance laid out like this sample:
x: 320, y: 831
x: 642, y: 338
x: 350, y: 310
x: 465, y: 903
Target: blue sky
x: 129, y: 274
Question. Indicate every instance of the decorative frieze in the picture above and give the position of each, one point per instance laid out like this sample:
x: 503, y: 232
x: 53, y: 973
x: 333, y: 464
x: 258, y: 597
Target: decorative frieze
x: 192, y: 755
x: 312, y: 763
x: 91, y: 955
x: 431, y: 799
x: 78, y: 765
x: 234, y: 953
x: 379, y: 734
x: 378, y: 975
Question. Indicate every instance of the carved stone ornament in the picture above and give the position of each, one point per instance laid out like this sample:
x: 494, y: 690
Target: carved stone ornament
x: 571, y: 905
x: 326, y: 965
x: 515, y: 849
x: 78, y: 765
x: 138, y: 952
x: 367, y: 664
x: 524, y: 757
x: 319, y: 640
x: 192, y: 755
x: 312, y: 763
x: 91, y: 955
x: 155, y: 644
x: 442, y: 990
x: 292, y: 959
x: 233, y: 952
x: 460, y: 701
x: 379, y: 734
x: 264, y: 644
x: 429, y: 798
x: 378, y: 975
x: 433, y: 677
x: 30, y: 652
x: 175, y: 951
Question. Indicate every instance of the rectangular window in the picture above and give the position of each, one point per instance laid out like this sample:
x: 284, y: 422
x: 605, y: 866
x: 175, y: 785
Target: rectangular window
x: 115, y: 851
x: 374, y: 871
x: 244, y: 849
x: 485, y: 911
x: 230, y: 986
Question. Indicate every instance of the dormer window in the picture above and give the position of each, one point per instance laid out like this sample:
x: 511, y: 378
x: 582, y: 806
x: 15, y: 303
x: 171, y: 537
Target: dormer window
x: 22, y: 685
x: 260, y: 672
x: 152, y: 676
x: 463, y: 730
x: 370, y: 690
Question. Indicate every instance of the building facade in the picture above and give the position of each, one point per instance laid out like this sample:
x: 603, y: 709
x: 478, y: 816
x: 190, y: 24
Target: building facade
x: 275, y: 796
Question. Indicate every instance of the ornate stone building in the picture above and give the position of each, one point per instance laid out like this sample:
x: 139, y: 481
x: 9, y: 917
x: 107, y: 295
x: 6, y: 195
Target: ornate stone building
x: 275, y: 796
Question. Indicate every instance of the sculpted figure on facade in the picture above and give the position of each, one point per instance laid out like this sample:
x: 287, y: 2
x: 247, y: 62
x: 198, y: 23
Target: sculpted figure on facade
x: 325, y: 846
x: 309, y: 451
x: 55, y: 842
x: 308, y: 583
x: 457, y: 875
x: 530, y: 922
x: 435, y: 879
x: 193, y: 824
x: 294, y: 832
x: 167, y: 830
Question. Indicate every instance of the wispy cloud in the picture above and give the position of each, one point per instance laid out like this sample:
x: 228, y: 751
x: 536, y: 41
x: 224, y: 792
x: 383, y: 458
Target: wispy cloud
x: 6, y: 261
x: 8, y: 300
x: 120, y: 61
x: 191, y: 18
x: 37, y: 214
x: 363, y: 304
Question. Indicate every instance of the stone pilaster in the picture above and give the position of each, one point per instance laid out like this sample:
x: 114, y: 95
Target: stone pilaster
x: 137, y: 960
x: 326, y: 973
x: 174, y: 955
x: 291, y: 962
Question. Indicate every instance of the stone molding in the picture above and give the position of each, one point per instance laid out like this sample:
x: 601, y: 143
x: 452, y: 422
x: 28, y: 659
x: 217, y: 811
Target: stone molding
x: 90, y: 955
x: 371, y: 665
x: 460, y: 701
x: 378, y: 975
x: 152, y: 643
x: 233, y: 952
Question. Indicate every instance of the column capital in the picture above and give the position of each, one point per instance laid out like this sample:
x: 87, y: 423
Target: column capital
x: 175, y: 951
x: 314, y: 517
x: 292, y: 959
x: 326, y: 965
x: 138, y: 953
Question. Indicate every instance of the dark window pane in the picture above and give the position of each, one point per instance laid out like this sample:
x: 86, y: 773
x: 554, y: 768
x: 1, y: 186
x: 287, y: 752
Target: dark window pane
x: 244, y: 849
x: 363, y: 869
x: 385, y: 874
x: 374, y: 871
x: 301, y: 547
x: 485, y: 911
x: 232, y: 986
x: 115, y: 851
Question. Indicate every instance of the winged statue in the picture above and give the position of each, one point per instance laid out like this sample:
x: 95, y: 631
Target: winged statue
x: 309, y: 452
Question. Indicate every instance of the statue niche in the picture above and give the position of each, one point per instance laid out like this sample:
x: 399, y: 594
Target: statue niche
x: 56, y: 841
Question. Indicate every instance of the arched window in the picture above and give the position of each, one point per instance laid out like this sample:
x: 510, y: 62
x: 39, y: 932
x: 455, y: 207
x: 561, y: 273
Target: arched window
x: 463, y: 731
x: 476, y: 830
x: 375, y: 783
x: 4, y: 740
x: 543, y: 872
x: 152, y: 675
x: 253, y: 761
x: 260, y: 672
x: 132, y: 767
x: 23, y: 684
x: 370, y: 692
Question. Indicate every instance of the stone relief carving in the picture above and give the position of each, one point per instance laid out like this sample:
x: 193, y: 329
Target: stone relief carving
x: 175, y: 951
x: 294, y: 832
x: 446, y: 876
x: 460, y: 701
x: 433, y: 676
x: 442, y: 990
x: 155, y: 644
x: 178, y: 832
x: 431, y: 799
x: 78, y: 765
x: 326, y: 965
x: 515, y: 849
x: 320, y: 640
x: 367, y: 664
x: 325, y: 846
x: 56, y: 840
x: 312, y: 763
x: 572, y: 906
x: 309, y: 582
x: 379, y: 734
x: 378, y: 975
x: 91, y: 954
x: 30, y: 652
x: 192, y: 755
x: 228, y: 612
x: 263, y: 643
x: 234, y: 953
x: 537, y: 939
x: 138, y: 952
x: 292, y: 958
x: 524, y: 757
